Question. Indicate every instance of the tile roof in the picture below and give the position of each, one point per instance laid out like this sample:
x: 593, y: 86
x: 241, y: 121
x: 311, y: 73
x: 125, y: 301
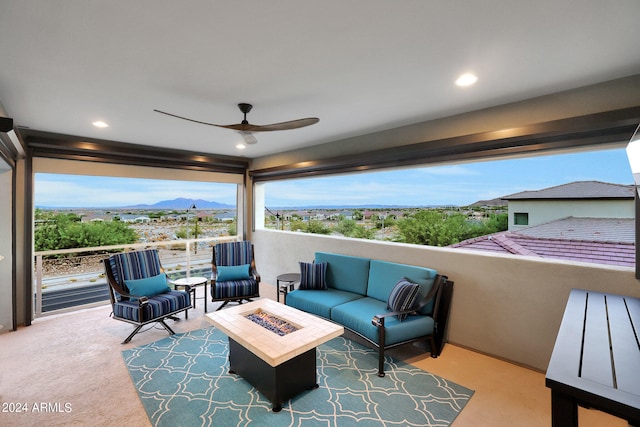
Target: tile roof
x: 578, y: 190
x: 574, y: 246
x: 588, y: 229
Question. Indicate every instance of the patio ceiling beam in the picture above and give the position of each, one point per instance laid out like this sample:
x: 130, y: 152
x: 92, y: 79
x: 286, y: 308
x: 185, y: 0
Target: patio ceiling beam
x: 611, y: 127
x: 43, y: 144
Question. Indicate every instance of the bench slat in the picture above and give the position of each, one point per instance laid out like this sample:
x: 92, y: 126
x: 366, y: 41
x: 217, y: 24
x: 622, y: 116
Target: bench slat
x: 565, y: 359
x: 596, y: 356
x: 624, y: 345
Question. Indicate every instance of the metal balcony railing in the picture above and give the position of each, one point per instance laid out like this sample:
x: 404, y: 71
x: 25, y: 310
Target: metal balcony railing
x: 74, y: 278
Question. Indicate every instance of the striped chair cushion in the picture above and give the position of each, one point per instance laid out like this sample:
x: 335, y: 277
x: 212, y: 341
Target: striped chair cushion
x: 233, y: 253
x: 235, y: 288
x: 135, y: 265
x: 158, y: 306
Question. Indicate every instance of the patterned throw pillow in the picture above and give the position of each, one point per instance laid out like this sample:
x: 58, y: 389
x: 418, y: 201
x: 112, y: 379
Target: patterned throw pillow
x: 403, y: 297
x: 312, y: 275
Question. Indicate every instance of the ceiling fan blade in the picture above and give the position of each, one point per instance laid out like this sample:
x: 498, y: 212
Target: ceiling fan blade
x: 185, y: 118
x: 245, y: 126
x: 292, y: 124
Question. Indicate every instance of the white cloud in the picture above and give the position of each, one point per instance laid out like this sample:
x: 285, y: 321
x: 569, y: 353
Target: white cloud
x: 86, y: 191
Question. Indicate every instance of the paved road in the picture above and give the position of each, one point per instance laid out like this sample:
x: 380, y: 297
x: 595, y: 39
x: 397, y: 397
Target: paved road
x: 71, y: 297
x: 81, y: 294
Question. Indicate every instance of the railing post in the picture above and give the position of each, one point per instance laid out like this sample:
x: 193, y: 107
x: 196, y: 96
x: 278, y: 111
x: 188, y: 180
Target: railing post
x: 188, y: 258
x: 38, y: 297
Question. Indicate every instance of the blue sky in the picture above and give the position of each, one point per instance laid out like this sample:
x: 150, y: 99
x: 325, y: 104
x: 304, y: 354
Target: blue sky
x: 54, y: 190
x: 459, y: 184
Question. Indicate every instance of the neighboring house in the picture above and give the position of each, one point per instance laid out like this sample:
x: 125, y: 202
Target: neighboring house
x: 587, y: 221
x: 590, y: 199
x: 226, y: 216
x: 597, y: 240
x: 135, y: 218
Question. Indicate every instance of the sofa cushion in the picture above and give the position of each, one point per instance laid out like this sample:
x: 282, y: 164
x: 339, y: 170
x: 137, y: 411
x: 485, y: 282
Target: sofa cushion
x: 403, y: 297
x: 384, y: 275
x: 312, y: 275
x: 356, y: 315
x: 319, y: 302
x: 346, y: 273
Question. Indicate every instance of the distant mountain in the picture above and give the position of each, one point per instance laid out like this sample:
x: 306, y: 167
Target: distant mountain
x: 182, y: 203
x: 492, y: 202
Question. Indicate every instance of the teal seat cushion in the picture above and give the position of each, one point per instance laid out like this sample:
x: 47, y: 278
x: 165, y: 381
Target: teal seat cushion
x: 233, y: 272
x: 356, y: 315
x: 319, y: 302
x: 345, y: 272
x: 149, y: 286
x: 384, y: 275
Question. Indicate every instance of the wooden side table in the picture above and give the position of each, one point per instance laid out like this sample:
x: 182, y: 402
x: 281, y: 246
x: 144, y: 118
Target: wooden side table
x: 189, y: 284
x: 288, y: 284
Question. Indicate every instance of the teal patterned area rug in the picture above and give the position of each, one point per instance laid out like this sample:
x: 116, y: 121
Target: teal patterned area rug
x: 182, y: 380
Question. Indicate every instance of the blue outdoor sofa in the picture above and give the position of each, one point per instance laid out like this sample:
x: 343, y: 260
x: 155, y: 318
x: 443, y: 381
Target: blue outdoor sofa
x: 370, y: 297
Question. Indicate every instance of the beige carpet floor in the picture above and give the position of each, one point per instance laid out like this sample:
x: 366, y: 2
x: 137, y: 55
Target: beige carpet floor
x: 67, y: 370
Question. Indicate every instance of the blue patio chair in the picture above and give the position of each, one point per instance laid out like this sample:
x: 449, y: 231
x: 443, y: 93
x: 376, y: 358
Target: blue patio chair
x: 139, y: 290
x: 234, y: 274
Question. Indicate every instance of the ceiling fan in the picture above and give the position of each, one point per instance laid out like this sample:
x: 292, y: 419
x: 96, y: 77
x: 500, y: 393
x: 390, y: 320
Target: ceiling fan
x: 246, y: 128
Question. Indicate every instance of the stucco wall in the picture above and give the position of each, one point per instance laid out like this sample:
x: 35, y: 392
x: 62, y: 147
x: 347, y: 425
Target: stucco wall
x: 505, y: 306
x: 542, y: 212
x: 6, y: 311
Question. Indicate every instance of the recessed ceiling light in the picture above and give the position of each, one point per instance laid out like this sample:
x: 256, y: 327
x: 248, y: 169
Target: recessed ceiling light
x: 467, y: 79
x: 241, y: 146
x: 100, y: 124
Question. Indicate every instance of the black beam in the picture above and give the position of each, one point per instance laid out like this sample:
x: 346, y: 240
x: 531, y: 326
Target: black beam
x: 69, y: 147
x: 576, y: 132
x: 6, y: 124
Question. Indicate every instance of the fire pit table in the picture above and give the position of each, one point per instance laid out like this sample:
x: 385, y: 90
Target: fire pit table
x: 273, y: 346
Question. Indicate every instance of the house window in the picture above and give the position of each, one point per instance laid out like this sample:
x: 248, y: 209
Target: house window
x: 521, y: 218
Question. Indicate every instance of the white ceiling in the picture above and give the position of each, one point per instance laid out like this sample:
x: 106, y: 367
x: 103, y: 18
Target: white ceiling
x: 359, y: 65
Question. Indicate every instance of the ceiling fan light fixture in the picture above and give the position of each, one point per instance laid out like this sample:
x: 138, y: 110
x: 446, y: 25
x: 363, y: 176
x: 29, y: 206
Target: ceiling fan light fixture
x: 240, y: 146
x: 249, y: 138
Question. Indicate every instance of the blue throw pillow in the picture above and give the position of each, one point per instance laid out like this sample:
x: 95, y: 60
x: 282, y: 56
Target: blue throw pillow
x: 149, y: 286
x: 403, y: 297
x: 313, y: 275
x: 233, y: 272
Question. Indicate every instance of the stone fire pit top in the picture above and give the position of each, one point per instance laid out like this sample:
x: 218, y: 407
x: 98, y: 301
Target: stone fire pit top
x: 272, y: 348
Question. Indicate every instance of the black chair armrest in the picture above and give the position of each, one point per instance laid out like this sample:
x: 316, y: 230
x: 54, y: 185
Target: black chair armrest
x: 378, y: 319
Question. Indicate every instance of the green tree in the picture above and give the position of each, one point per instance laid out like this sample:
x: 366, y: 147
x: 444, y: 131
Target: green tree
x: 65, y: 231
x: 346, y: 227
x: 436, y: 228
x: 233, y: 227
x: 317, y: 227
x: 350, y: 228
x: 497, y: 223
